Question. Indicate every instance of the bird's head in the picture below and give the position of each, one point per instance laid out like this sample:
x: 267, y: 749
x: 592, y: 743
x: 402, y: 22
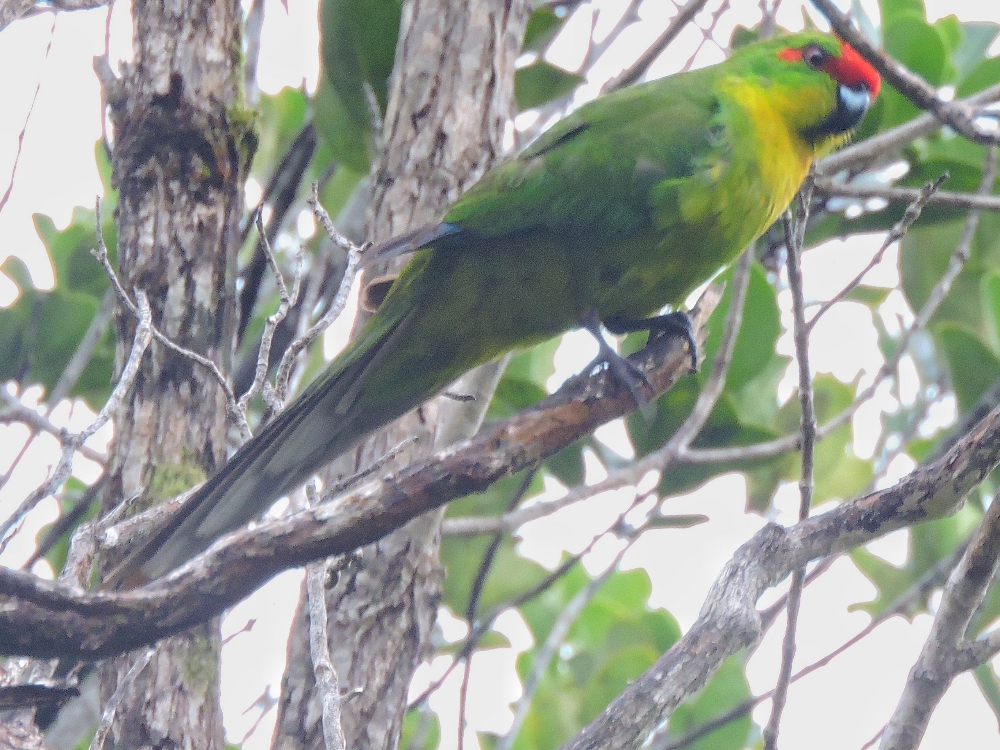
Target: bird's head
x: 821, y: 85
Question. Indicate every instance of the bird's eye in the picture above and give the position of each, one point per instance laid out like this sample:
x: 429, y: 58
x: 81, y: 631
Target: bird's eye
x: 815, y: 56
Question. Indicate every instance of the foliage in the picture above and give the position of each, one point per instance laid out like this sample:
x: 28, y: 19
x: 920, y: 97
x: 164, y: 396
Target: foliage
x: 617, y: 635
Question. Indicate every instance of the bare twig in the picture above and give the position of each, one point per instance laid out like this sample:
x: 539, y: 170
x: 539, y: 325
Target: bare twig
x: 374, y: 116
x: 280, y: 195
x: 595, y: 49
x: 107, y: 718
x: 336, y: 307
x: 895, y: 235
x: 24, y: 128
x: 72, y: 443
x: 795, y: 228
x: 685, y: 14
x: 232, y: 406
x: 287, y: 301
x: 463, y: 697
x: 15, y: 411
x: 265, y: 702
x: 327, y: 682
x: 908, y: 195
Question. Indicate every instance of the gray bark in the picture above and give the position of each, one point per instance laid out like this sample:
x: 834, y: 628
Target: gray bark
x: 449, y: 103
x: 181, y: 153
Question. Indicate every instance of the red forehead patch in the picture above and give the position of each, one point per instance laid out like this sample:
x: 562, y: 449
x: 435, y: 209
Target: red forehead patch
x: 849, y: 69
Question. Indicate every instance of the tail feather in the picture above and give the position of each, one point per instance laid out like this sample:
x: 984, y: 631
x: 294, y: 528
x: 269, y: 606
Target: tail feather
x: 316, y: 428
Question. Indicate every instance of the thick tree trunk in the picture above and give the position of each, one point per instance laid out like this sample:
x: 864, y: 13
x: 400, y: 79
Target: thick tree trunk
x: 450, y: 102
x: 181, y: 153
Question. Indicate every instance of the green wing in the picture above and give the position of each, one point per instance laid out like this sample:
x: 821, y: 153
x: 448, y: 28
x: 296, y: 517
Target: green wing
x: 596, y: 170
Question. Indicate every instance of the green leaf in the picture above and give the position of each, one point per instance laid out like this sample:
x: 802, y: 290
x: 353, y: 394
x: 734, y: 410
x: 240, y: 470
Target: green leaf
x: 421, y: 729
x: 513, y: 395
x: 920, y: 48
x: 923, y: 257
x: 509, y: 575
x: 348, y: 142
x: 489, y: 640
x: 986, y: 679
x: 338, y: 190
x: 535, y: 364
x: 552, y: 719
x: 280, y: 118
x: 977, y: 38
x: 543, y: 24
x: 974, y: 368
x: 567, y: 465
x: 758, y: 334
x: 40, y: 332
x: 756, y: 403
x: 837, y: 472
x: 612, y: 675
x: 727, y: 688
x: 990, y: 294
x: 542, y: 82
x: 358, y: 48
x: 929, y: 544
x: 920, y: 450
x: 892, y: 10
x: 983, y: 75
x: 613, y: 640
x: 541, y: 612
x: 870, y: 296
x: 676, y: 521
x: 950, y: 31
x: 69, y: 250
x: 942, y: 153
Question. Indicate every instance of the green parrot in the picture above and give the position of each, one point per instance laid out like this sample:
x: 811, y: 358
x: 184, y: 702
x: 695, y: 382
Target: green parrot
x: 617, y: 211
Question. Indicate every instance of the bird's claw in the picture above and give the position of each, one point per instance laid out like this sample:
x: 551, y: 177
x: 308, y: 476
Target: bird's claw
x: 624, y: 371
x: 672, y: 324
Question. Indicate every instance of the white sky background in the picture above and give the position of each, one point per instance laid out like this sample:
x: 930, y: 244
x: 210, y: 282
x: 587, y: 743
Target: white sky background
x: 841, y: 706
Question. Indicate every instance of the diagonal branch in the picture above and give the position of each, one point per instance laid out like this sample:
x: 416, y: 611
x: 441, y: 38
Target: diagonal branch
x: 42, y: 618
x: 729, y: 620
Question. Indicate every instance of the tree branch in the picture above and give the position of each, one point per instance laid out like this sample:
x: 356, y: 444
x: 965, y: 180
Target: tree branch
x: 45, y: 619
x: 729, y: 620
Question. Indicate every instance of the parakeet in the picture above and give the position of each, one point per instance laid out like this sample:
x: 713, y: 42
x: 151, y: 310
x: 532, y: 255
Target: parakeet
x: 620, y: 209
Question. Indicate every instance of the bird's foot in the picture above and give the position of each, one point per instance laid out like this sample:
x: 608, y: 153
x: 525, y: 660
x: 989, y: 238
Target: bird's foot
x: 671, y: 324
x: 624, y: 372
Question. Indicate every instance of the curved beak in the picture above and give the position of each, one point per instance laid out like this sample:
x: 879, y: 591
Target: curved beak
x: 852, y: 103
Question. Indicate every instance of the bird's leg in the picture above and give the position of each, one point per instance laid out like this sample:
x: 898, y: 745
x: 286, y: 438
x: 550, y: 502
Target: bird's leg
x: 627, y: 374
x: 675, y: 323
